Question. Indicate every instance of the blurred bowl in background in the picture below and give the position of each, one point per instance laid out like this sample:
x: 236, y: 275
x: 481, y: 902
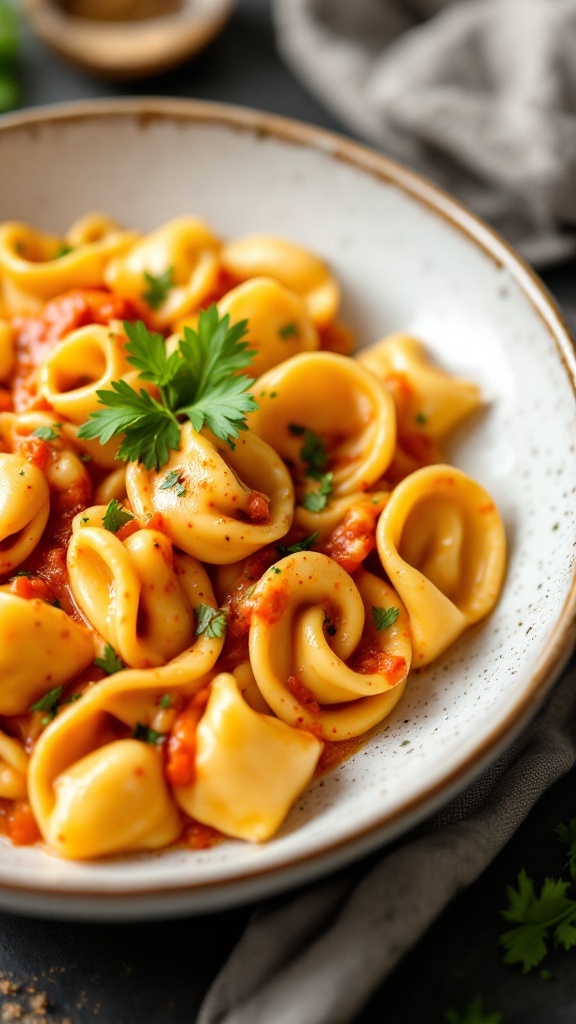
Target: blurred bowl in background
x: 127, y: 39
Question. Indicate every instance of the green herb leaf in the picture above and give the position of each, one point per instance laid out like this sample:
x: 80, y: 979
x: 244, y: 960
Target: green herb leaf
x: 315, y: 501
x: 301, y: 545
x: 147, y: 735
x: 328, y: 625
x: 172, y: 479
x: 48, y: 703
x: 567, y: 834
x: 166, y: 700
x: 158, y: 287
x: 289, y: 330
x: 115, y: 516
x: 384, y: 617
x: 10, y: 46
x: 538, y: 920
x: 210, y: 622
x: 110, y: 662
x: 473, y: 1014
x: 48, y: 433
x: 198, y: 382
x: 63, y: 250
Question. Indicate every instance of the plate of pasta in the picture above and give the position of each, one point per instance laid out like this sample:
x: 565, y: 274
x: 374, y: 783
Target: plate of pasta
x: 276, y: 575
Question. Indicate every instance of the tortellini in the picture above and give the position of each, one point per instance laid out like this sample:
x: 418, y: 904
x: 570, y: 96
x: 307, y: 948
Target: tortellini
x: 250, y: 767
x: 441, y: 541
x: 358, y: 444
x: 183, y: 253
x: 24, y: 509
x: 230, y: 502
x: 219, y: 560
x: 316, y: 653
x: 41, y: 648
x: 137, y: 593
x: 35, y: 267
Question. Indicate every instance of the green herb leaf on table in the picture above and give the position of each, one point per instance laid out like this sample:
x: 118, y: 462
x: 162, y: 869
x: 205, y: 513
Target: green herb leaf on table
x: 198, y: 382
x: 210, y: 622
x: 110, y: 662
x: 158, y: 287
x: 384, y: 617
x: 115, y: 516
x: 473, y: 1014
x: 567, y: 834
x: 540, y: 921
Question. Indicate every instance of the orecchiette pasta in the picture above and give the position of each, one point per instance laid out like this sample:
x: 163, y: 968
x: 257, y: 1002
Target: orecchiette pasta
x: 223, y: 542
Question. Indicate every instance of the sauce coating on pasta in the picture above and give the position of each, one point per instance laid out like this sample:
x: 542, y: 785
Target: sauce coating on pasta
x: 225, y: 539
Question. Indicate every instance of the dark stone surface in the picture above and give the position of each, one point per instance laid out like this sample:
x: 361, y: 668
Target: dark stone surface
x: 158, y: 973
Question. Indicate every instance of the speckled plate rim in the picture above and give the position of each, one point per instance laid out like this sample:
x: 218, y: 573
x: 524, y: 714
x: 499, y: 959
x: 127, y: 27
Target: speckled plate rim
x: 199, y: 897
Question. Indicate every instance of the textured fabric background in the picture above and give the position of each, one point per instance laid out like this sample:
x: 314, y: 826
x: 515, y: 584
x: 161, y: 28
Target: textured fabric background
x: 479, y: 95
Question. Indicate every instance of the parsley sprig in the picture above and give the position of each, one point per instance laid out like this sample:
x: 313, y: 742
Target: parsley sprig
x: 567, y: 835
x: 472, y: 1014
x: 538, y: 921
x: 200, y: 381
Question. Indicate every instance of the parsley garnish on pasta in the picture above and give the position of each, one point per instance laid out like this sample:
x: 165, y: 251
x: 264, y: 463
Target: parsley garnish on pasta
x: 199, y: 382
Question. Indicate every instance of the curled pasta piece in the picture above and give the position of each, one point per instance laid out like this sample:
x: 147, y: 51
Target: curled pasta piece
x: 137, y: 593
x: 317, y: 656
x: 114, y: 799
x: 35, y: 267
x: 356, y: 425
x: 442, y: 543
x: 24, y: 509
x: 249, y: 767
x: 184, y: 254
x: 56, y: 650
x: 216, y: 514
x: 62, y: 466
x: 296, y: 267
x: 279, y: 325
x: 88, y: 360
x: 427, y: 400
x: 7, y: 351
x: 13, y: 769
x: 332, y: 516
x: 80, y: 766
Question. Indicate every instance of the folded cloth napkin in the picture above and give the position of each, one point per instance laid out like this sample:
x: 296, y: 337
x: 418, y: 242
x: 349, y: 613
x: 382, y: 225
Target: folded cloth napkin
x: 317, y: 956
x: 479, y: 95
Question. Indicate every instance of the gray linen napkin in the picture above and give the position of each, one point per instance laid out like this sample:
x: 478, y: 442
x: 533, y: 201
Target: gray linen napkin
x: 317, y: 956
x: 479, y: 95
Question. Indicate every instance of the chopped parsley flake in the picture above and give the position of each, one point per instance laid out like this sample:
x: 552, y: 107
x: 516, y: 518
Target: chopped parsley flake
x: 301, y: 545
x: 289, y: 330
x: 147, y: 735
x: 384, y: 617
x: 210, y: 622
x: 315, y: 501
x: 173, y: 479
x: 166, y: 700
x: 110, y: 662
x: 48, y: 433
x: 158, y: 287
x: 115, y: 517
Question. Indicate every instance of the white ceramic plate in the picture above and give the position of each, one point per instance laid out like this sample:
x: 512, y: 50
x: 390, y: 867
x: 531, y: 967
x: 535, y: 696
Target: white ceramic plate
x: 408, y: 258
